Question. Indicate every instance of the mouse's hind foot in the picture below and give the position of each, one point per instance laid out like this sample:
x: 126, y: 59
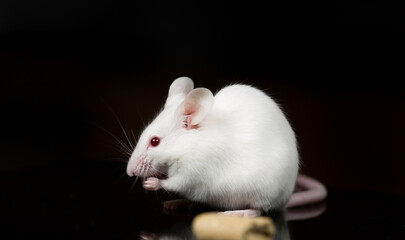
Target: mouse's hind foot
x: 243, y: 213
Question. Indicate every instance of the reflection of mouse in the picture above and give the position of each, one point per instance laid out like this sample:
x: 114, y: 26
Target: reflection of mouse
x: 235, y: 150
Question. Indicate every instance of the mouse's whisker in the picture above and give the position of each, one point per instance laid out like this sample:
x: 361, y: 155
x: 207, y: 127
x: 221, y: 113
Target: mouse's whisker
x: 120, y: 148
x: 122, y: 176
x: 118, y: 168
x: 167, y: 191
x: 117, y: 159
x: 134, y: 183
x: 142, y: 120
x: 123, y: 146
x: 132, y: 187
x: 143, y: 168
x: 158, y: 171
x: 136, y: 179
x: 134, y: 138
x: 127, y: 137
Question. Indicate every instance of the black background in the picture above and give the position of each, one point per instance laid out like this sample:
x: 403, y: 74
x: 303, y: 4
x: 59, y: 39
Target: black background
x: 336, y: 68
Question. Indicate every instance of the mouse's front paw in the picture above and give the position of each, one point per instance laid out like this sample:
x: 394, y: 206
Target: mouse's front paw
x: 152, y: 184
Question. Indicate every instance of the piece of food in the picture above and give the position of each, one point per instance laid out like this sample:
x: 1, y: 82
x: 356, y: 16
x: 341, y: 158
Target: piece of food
x: 217, y: 226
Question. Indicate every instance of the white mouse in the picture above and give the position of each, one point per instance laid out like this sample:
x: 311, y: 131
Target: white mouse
x: 235, y: 151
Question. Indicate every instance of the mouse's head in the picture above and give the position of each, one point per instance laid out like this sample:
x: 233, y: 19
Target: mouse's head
x: 157, y: 147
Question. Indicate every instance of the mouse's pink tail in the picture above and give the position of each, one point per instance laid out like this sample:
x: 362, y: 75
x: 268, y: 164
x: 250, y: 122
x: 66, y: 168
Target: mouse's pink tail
x: 308, y: 190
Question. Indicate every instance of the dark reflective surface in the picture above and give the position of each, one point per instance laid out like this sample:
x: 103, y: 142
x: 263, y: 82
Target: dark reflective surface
x: 91, y: 200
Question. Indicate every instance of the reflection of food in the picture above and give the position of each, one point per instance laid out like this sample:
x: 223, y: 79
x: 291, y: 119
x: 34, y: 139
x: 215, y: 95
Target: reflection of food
x: 216, y: 226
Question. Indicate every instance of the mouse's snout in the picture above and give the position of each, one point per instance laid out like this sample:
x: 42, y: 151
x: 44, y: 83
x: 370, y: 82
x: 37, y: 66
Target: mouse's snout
x: 130, y: 171
x: 131, y: 167
x: 140, y: 167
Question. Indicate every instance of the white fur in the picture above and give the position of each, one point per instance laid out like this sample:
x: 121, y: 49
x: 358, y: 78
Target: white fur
x: 243, y: 153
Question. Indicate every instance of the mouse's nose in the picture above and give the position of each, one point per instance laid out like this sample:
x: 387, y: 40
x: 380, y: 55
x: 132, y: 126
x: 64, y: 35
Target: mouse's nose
x: 130, y: 172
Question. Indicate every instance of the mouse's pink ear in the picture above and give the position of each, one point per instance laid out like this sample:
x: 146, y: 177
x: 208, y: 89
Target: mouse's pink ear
x: 197, y: 105
x: 178, y: 90
x: 182, y: 85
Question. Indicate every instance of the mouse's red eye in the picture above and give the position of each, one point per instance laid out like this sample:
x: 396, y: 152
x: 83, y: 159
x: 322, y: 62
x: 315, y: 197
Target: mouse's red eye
x: 154, y: 142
